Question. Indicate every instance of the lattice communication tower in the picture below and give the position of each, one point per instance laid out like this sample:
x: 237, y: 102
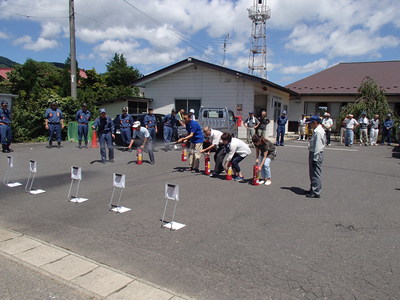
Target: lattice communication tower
x: 259, y: 13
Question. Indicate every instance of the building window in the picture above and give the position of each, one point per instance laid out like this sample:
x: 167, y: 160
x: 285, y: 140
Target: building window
x: 137, y: 107
x: 188, y: 104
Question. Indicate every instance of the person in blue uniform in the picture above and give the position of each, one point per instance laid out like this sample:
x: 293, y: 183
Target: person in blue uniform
x: 169, y: 122
x: 280, y: 129
x: 144, y: 135
x: 5, y: 127
x: 105, y: 132
x: 83, y: 117
x: 54, y: 122
x: 125, y: 122
x: 150, y: 123
x: 387, y: 128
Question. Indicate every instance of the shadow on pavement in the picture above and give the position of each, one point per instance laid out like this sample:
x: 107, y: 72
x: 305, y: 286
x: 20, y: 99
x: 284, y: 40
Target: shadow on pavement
x: 295, y: 189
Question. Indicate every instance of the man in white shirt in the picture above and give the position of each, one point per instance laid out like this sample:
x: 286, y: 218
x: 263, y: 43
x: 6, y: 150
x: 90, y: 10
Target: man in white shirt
x: 374, y: 130
x: 237, y: 150
x: 327, y: 124
x: 302, y: 127
x: 364, y: 122
x: 351, y: 125
x: 315, y: 157
x: 144, y: 135
x: 214, y: 137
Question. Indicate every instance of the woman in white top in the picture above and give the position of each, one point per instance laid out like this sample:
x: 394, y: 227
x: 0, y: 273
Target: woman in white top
x: 236, y: 150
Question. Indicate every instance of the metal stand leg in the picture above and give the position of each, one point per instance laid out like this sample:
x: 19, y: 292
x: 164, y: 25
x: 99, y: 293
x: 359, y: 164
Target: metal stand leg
x: 163, y: 216
x: 30, y: 179
x: 6, y: 178
x: 69, y: 192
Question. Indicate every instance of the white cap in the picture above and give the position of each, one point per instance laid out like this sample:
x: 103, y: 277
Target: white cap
x: 191, y: 111
x: 136, y: 124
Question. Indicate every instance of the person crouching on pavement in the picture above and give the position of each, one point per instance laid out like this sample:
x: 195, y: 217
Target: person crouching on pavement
x: 237, y: 150
x: 315, y: 157
x: 144, y: 135
x: 265, y: 153
x: 216, y: 143
x: 196, y: 138
x: 105, y: 132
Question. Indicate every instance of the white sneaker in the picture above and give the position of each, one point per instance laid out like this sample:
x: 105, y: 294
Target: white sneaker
x: 261, y: 182
x: 268, y: 182
x: 299, y: 139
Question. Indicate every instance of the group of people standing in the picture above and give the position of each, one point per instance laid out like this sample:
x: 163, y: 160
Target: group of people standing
x: 349, y: 125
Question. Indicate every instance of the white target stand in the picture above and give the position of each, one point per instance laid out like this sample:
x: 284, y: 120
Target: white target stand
x: 119, y: 182
x: 10, y: 163
x: 171, y: 193
x: 76, y: 175
x: 31, y: 178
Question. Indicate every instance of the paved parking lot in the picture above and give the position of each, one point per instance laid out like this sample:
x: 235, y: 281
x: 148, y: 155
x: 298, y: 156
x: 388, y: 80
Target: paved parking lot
x: 240, y: 241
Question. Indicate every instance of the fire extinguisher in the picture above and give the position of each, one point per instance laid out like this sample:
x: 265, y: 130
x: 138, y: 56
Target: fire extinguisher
x: 139, y: 156
x: 229, y: 172
x: 184, y: 153
x: 256, y: 171
x: 207, y: 165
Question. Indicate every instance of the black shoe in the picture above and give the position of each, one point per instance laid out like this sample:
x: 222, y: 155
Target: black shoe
x: 152, y: 162
x: 111, y: 161
x: 312, y: 195
x: 103, y: 162
x: 214, y: 175
x: 195, y: 171
x: 308, y: 193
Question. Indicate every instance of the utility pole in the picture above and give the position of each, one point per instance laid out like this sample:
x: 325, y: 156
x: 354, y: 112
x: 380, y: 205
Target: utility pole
x: 72, y: 48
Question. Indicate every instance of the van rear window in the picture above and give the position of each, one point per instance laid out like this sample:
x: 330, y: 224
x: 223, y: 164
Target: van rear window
x: 214, y: 114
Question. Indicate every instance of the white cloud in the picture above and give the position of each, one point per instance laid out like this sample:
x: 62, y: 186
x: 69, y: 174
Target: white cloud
x: 3, y: 35
x: 40, y: 44
x: 310, y: 67
x: 50, y: 30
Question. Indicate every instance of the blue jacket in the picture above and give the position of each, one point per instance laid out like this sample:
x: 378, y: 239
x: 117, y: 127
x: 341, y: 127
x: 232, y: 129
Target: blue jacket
x: 281, y: 121
x: 104, y: 125
x: 125, y: 121
x: 5, y: 116
x: 150, y: 121
x: 388, y: 123
x: 83, y: 117
x: 53, y: 116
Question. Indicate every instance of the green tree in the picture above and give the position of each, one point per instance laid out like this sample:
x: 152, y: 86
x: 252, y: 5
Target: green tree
x: 121, y: 76
x: 371, y: 100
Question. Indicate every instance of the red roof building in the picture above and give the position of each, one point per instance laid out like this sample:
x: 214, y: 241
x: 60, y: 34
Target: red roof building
x: 3, y: 73
x: 331, y: 89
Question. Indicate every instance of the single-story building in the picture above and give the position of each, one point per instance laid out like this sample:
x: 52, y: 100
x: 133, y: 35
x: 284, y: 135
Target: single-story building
x: 192, y: 83
x: 136, y: 105
x: 333, y: 88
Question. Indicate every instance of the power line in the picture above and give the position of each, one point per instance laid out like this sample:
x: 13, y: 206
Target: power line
x: 177, y: 34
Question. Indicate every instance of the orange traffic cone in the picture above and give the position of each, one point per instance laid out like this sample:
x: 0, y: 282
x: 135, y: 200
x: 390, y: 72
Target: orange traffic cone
x: 94, y: 139
x: 229, y: 172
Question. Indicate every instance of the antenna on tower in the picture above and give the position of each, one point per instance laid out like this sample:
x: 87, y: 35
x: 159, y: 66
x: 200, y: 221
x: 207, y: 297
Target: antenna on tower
x: 225, y: 43
x: 259, y: 13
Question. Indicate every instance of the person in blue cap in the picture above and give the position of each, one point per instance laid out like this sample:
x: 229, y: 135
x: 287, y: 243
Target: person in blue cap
x: 5, y: 127
x: 54, y: 122
x: 144, y: 135
x: 125, y: 122
x: 150, y: 123
x: 105, y: 132
x: 315, y: 156
x: 280, y: 129
x: 83, y: 117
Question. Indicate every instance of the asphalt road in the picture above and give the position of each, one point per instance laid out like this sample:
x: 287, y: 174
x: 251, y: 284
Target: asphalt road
x: 241, y: 241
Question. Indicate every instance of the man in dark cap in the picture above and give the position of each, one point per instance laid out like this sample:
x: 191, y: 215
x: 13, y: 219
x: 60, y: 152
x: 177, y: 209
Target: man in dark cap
x: 281, y: 128
x: 105, y: 131
x: 5, y: 127
x: 54, y: 122
x: 315, y: 156
x: 83, y: 117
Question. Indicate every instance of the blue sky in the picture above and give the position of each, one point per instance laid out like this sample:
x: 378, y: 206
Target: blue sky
x: 303, y: 36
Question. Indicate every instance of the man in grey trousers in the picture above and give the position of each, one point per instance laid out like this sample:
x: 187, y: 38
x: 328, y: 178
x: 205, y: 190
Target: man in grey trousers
x: 316, y: 156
